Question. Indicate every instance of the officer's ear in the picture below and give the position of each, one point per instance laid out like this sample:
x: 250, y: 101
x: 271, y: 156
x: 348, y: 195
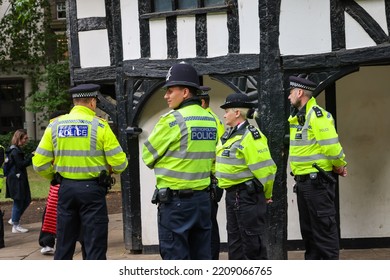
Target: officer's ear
x: 186, y: 93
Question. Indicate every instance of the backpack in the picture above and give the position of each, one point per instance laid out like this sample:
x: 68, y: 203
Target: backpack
x: 7, y: 165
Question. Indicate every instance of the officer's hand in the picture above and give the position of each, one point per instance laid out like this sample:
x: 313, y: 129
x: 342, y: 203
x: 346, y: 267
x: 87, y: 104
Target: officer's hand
x: 342, y: 170
x: 268, y: 200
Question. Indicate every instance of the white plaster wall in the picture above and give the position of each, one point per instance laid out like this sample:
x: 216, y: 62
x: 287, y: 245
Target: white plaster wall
x: 3, y: 8
x: 249, y: 22
x: 364, y: 127
x: 376, y: 8
x: 304, y: 27
x: 158, y: 39
x: 217, y: 35
x: 130, y: 29
x: 186, y: 37
x: 152, y: 111
x: 90, y: 8
x: 355, y: 36
x: 94, y: 49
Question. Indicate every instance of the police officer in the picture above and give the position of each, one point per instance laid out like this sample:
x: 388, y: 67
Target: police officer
x: 79, y: 146
x: 246, y: 171
x: 216, y: 192
x: 181, y: 150
x: 314, y: 140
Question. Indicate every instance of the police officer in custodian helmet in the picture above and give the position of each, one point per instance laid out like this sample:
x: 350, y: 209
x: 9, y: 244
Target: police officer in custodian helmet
x: 78, y: 147
x: 181, y: 150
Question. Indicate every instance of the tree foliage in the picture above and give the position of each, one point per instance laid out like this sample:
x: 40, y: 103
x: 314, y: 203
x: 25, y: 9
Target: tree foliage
x: 26, y: 48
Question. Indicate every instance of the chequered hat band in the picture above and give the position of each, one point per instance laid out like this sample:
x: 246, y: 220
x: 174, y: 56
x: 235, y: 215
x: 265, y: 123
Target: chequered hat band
x: 299, y: 85
x: 85, y: 94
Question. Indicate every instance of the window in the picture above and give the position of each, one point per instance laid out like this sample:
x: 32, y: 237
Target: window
x: 11, y: 103
x: 61, y: 10
x: 165, y: 6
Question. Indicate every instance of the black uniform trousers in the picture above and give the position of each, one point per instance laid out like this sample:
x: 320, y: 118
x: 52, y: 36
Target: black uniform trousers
x: 245, y: 214
x: 317, y: 218
x: 81, y: 205
x: 215, y: 238
x: 184, y: 227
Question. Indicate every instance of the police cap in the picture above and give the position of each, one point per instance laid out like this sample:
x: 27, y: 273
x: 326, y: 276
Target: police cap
x: 300, y: 82
x: 182, y: 74
x: 237, y: 100
x: 85, y: 91
x: 204, y: 91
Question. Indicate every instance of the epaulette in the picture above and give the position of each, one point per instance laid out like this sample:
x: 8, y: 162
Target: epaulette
x: 254, y: 131
x: 166, y: 114
x: 101, y: 119
x: 318, y: 111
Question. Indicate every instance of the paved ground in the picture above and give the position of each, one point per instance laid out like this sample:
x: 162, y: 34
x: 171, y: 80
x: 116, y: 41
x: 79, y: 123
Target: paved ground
x: 25, y: 247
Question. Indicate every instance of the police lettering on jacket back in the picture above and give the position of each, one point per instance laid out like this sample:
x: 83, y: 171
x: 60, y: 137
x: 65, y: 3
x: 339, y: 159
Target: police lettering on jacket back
x: 203, y: 133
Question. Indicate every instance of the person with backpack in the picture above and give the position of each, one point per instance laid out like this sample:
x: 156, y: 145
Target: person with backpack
x: 17, y: 185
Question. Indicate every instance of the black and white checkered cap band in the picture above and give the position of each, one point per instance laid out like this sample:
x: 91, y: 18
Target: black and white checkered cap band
x: 299, y: 85
x: 85, y: 94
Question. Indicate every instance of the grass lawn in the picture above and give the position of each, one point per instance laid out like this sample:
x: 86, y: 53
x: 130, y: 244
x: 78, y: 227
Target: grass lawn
x: 40, y: 186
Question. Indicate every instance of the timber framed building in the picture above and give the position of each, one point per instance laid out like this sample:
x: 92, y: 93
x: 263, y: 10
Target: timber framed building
x: 250, y: 46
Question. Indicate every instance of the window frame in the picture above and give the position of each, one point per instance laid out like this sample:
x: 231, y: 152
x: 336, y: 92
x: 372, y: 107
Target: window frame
x: 203, y: 10
x: 58, y: 4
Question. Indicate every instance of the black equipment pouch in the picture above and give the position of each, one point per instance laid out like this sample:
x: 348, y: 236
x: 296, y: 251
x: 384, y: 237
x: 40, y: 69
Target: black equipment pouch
x: 253, y: 186
x: 105, y: 180
x: 164, y: 195
x: 57, y: 179
x: 155, y: 196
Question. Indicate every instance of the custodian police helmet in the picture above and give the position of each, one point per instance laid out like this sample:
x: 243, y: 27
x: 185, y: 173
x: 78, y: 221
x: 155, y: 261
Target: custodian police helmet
x: 182, y: 74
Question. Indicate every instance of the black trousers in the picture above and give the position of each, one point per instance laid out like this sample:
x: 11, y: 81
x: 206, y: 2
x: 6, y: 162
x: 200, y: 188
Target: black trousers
x: 1, y: 229
x: 81, y: 205
x: 245, y: 215
x: 317, y: 218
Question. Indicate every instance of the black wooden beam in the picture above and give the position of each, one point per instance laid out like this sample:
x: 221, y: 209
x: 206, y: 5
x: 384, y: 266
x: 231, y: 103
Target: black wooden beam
x: 91, y: 23
x: 144, y: 7
x: 364, y: 56
x: 337, y: 25
x: 272, y: 121
x: 73, y: 42
x: 373, y: 29
x: 172, y: 37
x: 201, y: 35
x: 233, y: 27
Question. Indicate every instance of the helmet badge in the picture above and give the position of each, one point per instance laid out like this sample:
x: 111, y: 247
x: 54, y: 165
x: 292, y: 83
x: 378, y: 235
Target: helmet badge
x: 169, y: 74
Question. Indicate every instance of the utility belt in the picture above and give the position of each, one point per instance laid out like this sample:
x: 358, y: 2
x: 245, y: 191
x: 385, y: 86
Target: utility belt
x: 251, y: 187
x: 104, y: 180
x: 312, y: 176
x: 165, y: 195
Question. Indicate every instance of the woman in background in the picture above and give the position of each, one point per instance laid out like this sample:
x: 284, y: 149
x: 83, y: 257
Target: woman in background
x: 17, y: 186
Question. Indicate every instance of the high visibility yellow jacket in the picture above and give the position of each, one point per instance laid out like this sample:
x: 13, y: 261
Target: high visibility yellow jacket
x: 315, y: 140
x: 220, y: 126
x: 78, y: 145
x: 243, y: 157
x: 181, y: 148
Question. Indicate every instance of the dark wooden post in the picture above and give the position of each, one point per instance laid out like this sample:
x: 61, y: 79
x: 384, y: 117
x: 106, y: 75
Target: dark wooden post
x: 273, y: 121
